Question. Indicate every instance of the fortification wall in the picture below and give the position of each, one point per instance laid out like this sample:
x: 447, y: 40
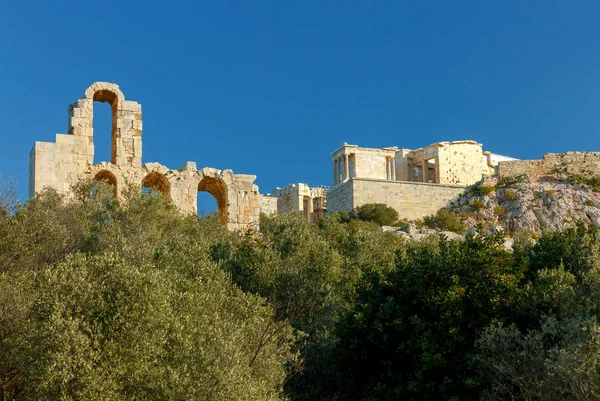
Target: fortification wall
x: 462, y: 163
x: 579, y: 163
x: 412, y: 200
x: 268, y: 205
x: 340, y: 197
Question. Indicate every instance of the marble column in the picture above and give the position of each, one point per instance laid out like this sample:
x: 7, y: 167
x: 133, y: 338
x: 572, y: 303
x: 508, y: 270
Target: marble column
x: 346, y: 166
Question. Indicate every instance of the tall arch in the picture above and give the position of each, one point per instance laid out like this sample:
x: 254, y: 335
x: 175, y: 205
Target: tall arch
x: 158, y: 182
x: 110, y: 97
x: 126, y: 125
x: 217, y: 188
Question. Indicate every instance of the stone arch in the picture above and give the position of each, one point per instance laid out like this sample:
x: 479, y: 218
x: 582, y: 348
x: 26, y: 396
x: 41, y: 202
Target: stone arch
x: 217, y: 188
x: 105, y: 92
x: 126, y: 126
x: 158, y: 182
x: 105, y: 175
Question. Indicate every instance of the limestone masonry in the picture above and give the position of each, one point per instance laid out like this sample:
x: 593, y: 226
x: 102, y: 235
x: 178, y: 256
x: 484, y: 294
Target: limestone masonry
x: 414, y: 182
x: 63, y: 163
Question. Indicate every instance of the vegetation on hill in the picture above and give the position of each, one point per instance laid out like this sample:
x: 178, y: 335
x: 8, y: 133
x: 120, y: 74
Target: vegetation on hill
x: 552, y: 201
x: 128, y: 299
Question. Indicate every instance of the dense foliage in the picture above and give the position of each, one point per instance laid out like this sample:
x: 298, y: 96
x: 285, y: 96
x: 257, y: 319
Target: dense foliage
x: 128, y: 299
x: 378, y: 213
x: 103, y: 301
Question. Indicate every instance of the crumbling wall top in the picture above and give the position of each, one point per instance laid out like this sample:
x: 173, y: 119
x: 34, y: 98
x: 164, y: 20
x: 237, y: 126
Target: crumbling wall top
x: 101, y: 92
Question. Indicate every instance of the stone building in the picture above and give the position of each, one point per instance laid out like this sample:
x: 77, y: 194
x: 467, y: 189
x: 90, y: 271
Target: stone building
x: 414, y: 182
x: 70, y: 158
x: 296, y: 198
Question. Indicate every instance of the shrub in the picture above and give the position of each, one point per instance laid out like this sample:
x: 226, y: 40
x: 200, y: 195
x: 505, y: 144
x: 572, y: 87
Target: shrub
x: 592, y: 182
x: 483, y: 190
x: 478, y: 205
x: 499, y: 210
x: 510, y: 195
x: 445, y: 220
x: 375, y: 212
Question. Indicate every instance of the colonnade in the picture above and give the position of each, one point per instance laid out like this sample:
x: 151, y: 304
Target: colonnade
x: 390, y: 168
x: 341, y: 169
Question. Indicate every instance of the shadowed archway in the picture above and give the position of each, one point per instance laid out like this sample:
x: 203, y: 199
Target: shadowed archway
x: 158, y: 182
x: 218, y: 189
x: 107, y: 176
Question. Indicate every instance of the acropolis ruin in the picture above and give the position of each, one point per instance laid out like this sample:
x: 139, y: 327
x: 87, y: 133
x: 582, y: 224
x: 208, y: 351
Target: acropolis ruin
x: 415, y: 182
x: 70, y: 158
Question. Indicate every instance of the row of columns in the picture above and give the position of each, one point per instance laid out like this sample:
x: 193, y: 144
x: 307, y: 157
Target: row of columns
x: 341, y: 170
x: 390, y: 169
x: 423, y: 167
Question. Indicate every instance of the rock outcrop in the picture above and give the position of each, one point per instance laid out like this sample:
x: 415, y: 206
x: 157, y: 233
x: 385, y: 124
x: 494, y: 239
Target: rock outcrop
x: 551, y: 201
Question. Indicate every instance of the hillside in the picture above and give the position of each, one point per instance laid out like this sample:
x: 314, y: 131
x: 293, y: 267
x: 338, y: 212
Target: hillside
x: 532, y: 203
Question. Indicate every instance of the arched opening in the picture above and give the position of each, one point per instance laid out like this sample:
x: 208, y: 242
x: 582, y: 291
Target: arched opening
x: 108, y: 177
x: 157, y: 182
x: 206, y: 205
x: 102, y: 150
x: 218, y: 190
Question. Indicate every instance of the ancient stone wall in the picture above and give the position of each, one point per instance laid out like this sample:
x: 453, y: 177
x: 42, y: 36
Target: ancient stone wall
x: 63, y: 163
x: 462, y: 163
x: 577, y: 163
x: 340, y: 197
x: 299, y: 198
x: 268, y: 204
x: 412, y: 200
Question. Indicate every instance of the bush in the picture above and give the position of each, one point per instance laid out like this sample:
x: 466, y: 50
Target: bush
x: 510, y: 195
x: 478, y: 205
x: 592, y: 182
x: 483, y: 190
x: 445, y: 220
x: 499, y: 210
x: 377, y: 213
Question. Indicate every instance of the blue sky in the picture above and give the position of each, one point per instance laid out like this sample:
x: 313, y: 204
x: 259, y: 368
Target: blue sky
x: 271, y: 88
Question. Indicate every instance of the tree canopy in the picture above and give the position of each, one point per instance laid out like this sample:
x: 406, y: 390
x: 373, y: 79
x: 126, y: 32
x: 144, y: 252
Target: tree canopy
x: 129, y: 299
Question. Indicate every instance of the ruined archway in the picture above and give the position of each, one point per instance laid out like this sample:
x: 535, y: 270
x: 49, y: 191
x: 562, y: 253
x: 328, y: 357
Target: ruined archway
x: 157, y: 182
x: 61, y: 164
x: 107, y: 176
x: 217, y: 188
x: 110, y: 97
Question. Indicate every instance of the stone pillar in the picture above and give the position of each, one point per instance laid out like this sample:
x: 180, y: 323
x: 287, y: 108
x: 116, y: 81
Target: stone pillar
x: 393, y: 170
x: 334, y: 172
x: 346, y: 166
x: 424, y: 171
x: 437, y: 170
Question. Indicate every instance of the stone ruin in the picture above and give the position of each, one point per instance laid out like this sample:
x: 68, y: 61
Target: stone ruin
x: 61, y: 164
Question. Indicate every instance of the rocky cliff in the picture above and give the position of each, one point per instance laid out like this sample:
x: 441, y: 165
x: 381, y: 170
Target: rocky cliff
x: 533, y: 203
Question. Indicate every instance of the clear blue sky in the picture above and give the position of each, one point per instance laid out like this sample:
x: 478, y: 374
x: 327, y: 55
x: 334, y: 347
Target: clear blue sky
x: 271, y: 88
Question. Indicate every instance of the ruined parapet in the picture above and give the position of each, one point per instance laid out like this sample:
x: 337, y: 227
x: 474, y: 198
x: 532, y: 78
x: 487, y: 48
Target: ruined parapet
x: 268, y: 204
x: 297, y: 198
x: 63, y: 163
x: 571, y: 163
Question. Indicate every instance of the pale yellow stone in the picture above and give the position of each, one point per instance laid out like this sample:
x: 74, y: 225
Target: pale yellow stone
x: 63, y: 163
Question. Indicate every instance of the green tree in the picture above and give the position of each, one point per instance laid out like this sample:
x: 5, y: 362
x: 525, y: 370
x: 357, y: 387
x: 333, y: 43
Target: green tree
x: 411, y: 332
x: 121, y: 300
x: 559, y: 361
x: 378, y: 213
x: 445, y: 220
